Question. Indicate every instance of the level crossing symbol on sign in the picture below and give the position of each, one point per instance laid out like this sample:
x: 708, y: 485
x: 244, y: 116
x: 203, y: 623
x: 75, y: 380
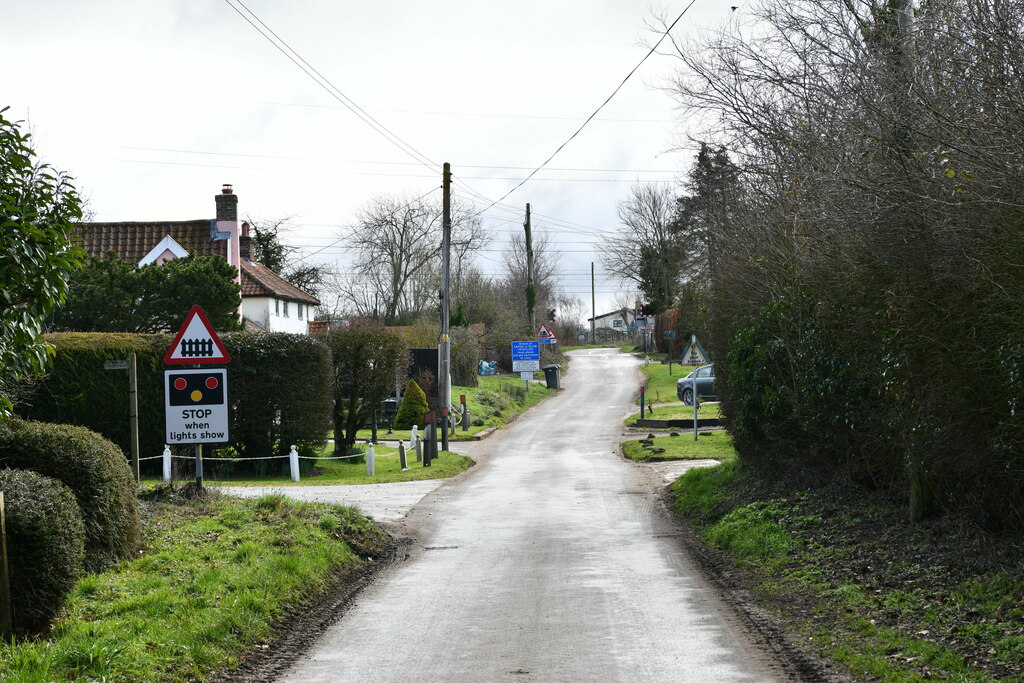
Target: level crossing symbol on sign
x: 196, y: 342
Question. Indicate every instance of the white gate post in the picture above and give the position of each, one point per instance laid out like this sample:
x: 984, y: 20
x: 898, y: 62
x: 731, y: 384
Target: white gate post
x: 371, y: 467
x: 167, y: 462
x: 293, y: 461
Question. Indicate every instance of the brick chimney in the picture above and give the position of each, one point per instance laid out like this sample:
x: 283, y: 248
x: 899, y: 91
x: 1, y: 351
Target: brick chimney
x: 227, y: 205
x: 245, y: 243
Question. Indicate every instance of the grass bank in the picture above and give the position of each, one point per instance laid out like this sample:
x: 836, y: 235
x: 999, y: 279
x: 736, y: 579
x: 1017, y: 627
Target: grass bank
x: 494, y: 403
x: 661, y: 381
x: 859, y: 584
x: 213, y: 577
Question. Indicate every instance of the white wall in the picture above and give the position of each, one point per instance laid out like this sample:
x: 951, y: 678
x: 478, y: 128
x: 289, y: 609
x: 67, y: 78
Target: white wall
x: 262, y: 311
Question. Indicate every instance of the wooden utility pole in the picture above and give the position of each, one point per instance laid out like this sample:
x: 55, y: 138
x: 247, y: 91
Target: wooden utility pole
x: 531, y: 291
x: 444, y: 385
x: 133, y: 412
x: 593, y: 307
x: 6, y: 615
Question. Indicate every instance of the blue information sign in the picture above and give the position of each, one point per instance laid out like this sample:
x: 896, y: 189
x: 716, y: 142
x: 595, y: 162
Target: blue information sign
x: 526, y: 350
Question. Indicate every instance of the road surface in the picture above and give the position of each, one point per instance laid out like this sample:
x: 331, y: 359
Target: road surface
x: 551, y: 562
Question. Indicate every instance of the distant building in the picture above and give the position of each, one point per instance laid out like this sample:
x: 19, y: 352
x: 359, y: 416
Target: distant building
x: 608, y: 324
x: 269, y: 302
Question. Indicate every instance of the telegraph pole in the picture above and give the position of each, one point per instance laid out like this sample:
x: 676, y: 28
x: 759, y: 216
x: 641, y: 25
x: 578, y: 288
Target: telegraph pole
x: 531, y: 292
x: 593, y: 308
x: 444, y: 385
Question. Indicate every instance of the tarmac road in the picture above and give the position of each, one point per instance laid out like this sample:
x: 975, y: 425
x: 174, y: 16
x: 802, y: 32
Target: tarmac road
x: 551, y: 561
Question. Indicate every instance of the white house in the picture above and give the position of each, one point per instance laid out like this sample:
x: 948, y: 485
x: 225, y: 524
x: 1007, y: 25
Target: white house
x: 617, y: 321
x: 269, y: 302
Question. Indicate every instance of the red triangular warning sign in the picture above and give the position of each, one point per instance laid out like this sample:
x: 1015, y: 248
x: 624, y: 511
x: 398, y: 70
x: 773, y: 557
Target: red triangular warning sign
x: 544, y: 332
x: 196, y: 342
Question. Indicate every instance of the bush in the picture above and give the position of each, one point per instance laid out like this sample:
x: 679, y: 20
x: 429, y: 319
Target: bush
x: 45, y: 546
x: 280, y: 387
x: 78, y: 390
x: 94, y: 469
x: 414, y: 405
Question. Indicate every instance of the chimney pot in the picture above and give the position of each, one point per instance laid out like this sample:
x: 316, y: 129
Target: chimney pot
x: 226, y: 189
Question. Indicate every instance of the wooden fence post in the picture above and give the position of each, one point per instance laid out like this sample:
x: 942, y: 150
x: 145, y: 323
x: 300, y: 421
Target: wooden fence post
x: 6, y: 621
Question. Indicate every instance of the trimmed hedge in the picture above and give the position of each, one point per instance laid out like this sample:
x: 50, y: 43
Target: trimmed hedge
x: 78, y: 390
x: 45, y: 546
x: 281, y: 386
x: 94, y: 469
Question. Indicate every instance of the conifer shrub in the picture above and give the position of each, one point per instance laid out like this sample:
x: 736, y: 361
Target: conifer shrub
x: 94, y: 469
x: 414, y: 405
x: 45, y: 546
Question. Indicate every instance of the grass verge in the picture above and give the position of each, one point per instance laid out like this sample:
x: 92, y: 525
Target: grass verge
x: 661, y: 385
x: 346, y: 472
x: 861, y: 586
x: 213, y: 577
x: 494, y: 403
x: 716, y: 445
x: 676, y: 411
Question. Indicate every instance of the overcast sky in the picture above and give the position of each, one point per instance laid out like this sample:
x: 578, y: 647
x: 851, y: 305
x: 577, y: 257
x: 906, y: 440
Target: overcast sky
x: 153, y: 104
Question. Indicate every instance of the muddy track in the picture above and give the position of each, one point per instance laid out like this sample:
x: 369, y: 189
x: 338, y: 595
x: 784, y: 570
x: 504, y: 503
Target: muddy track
x: 295, y: 633
x: 732, y: 583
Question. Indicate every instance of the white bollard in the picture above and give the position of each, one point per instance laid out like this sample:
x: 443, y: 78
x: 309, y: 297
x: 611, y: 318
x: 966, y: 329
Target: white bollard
x: 371, y: 467
x: 413, y: 436
x: 167, y: 462
x: 293, y: 460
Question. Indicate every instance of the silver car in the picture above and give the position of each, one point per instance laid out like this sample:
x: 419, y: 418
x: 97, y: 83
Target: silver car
x: 705, y: 375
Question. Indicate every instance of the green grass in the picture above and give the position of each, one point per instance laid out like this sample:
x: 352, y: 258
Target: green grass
x: 676, y: 411
x: 494, y: 403
x: 661, y: 386
x: 716, y: 445
x: 872, y: 600
x: 212, y: 578
x: 346, y: 472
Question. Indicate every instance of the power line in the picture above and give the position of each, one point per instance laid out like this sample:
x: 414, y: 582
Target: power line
x: 368, y: 173
x: 329, y: 87
x: 388, y: 163
x: 607, y: 100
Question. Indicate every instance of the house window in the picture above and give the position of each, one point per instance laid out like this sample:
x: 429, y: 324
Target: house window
x: 617, y: 323
x: 300, y: 311
x: 286, y: 309
x: 277, y: 307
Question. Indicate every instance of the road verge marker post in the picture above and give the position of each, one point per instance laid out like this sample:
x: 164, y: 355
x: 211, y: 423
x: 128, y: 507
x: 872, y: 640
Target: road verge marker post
x: 293, y: 463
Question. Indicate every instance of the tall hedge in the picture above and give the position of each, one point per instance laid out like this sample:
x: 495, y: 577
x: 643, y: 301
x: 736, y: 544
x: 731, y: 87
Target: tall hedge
x: 78, y: 390
x: 94, y: 469
x: 45, y: 546
x: 281, y: 386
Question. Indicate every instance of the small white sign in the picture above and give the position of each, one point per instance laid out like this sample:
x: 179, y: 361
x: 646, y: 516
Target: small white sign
x: 526, y: 376
x: 526, y: 366
x: 196, y: 406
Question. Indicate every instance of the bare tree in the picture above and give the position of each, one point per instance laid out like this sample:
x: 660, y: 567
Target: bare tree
x: 397, y: 244
x: 545, y: 273
x: 648, y: 251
